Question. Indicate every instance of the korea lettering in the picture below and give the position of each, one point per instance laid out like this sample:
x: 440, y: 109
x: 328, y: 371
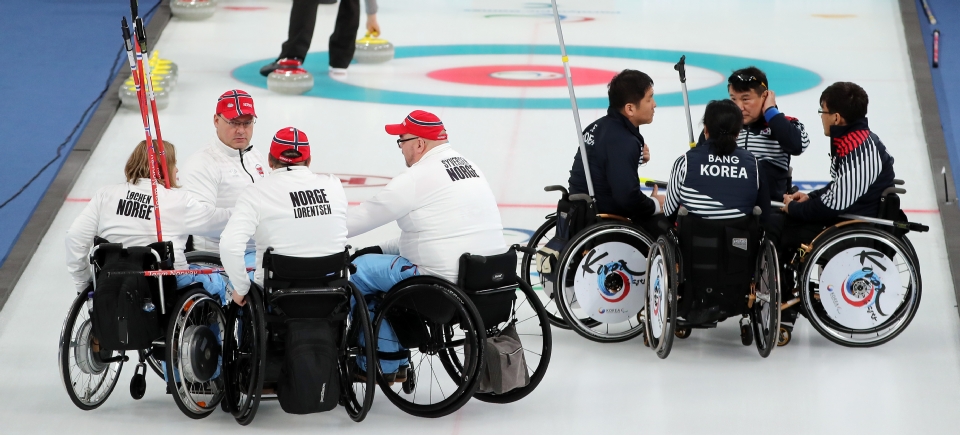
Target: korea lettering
x: 136, y: 205
x: 310, y: 203
x: 730, y: 170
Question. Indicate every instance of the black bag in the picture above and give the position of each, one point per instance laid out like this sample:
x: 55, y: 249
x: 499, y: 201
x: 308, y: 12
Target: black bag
x: 310, y: 378
x: 505, y: 367
x: 124, y: 312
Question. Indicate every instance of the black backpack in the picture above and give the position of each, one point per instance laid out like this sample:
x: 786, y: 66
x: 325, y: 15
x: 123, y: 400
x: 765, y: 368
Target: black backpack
x: 310, y: 378
x: 125, y: 309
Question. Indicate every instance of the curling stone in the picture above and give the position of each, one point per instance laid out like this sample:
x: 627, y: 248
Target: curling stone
x: 164, y: 69
x: 290, y: 78
x: 372, y: 49
x: 128, y: 95
x: 193, y: 10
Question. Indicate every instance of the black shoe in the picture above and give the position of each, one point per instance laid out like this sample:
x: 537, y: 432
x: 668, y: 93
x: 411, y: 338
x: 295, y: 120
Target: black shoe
x: 270, y: 67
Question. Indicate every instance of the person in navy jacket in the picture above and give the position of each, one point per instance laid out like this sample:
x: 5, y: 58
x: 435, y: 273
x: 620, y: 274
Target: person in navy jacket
x: 616, y: 149
x: 717, y: 180
x: 860, y: 170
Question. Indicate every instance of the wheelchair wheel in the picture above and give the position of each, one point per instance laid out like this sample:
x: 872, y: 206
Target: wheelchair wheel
x: 244, y: 353
x: 765, y: 313
x: 528, y: 271
x: 358, y: 397
x: 88, y: 373
x: 861, y: 286
x: 434, y: 320
x: 194, y: 348
x: 602, y: 278
x: 661, y: 297
x: 533, y: 327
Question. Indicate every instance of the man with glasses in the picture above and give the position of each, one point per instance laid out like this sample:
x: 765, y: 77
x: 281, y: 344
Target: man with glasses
x: 860, y: 170
x: 444, y: 208
x: 768, y: 134
x: 218, y: 173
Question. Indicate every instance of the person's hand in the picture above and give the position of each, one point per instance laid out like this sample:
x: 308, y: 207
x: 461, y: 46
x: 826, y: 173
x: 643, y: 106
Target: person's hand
x: 368, y: 250
x: 373, y: 27
x: 769, y: 101
x: 660, y: 198
x: 646, y: 154
x: 239, y: 299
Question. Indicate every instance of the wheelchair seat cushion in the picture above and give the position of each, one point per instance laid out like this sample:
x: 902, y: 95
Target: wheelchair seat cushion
x: 718, y: 262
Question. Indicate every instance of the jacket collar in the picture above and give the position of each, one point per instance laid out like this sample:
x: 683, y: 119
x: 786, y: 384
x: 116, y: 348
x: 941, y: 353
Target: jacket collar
x: 295, y: 169
x: 227, y: 150
x: 615, y: 113
x: 436, y: 150
x: 846, y: 138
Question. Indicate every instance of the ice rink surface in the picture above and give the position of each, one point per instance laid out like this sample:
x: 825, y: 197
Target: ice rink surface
x: 710, y: 383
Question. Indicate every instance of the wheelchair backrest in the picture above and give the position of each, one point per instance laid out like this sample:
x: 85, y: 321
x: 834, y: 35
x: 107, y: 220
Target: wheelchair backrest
x: 573, y: 215
x: 314, y: 287
x: 718, y: 252
x: 478, y: 274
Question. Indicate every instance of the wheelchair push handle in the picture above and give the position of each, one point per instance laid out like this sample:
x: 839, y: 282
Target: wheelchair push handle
x: 581, y: 197
x: 556, y: 188
x: 524, y: 249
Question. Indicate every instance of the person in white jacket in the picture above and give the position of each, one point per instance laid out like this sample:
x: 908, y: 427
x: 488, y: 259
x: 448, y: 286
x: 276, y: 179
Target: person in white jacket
x: 443, y: 206
x: 218, y: 173
x: 124, y: 213
x: 294, y: 211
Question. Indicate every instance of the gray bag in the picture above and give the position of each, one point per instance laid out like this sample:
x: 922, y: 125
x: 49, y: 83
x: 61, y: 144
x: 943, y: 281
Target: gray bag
x: 505, y: 367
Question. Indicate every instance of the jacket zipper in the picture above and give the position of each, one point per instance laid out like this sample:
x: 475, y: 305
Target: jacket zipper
x: 245, y: 166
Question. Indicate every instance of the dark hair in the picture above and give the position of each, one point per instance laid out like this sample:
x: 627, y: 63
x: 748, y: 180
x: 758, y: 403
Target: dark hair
x: 846, y: 98
x: 290, y: 154
x: 749, y: 78
x: 723, y: 121
x: 629, y: 86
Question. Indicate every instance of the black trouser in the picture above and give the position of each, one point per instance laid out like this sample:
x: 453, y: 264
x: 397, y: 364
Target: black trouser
x: 788, y: 234
x: 303, y: 19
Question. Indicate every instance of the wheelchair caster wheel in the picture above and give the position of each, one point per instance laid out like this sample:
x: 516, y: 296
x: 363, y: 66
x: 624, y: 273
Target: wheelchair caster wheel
x: 682, y: 333
x: 410, y: 385
x: 784, y: 337
x: 138, y: 383
x: 746, y: 334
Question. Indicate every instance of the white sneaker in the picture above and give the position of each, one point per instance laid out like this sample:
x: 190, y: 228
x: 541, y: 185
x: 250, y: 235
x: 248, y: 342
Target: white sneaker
x: 338, y: 73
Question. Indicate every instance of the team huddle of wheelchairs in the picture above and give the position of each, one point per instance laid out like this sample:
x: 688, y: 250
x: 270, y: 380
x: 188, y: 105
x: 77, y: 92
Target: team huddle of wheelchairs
x: 249, y: 291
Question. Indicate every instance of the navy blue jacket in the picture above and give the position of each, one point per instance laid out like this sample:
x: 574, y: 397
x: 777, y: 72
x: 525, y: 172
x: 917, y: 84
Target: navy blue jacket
x: 860, y: 170
x: 615, y: 150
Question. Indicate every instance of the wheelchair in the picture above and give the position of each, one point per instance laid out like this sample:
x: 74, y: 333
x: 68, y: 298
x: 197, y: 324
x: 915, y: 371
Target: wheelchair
x: 92, y: 356
x: 444, y: 329
x: 705, y: 271
x: 303, y: 310
x: 858, y: 281
x: 591, y: 269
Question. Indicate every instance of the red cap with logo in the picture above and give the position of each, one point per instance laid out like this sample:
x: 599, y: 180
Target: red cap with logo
x: 289, y: 138
x: 421, y: 124
x: 235, y: 103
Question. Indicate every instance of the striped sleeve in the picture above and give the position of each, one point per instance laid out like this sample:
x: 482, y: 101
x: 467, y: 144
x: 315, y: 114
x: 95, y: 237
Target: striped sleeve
x: 677, y: 175
x: 854, y: 175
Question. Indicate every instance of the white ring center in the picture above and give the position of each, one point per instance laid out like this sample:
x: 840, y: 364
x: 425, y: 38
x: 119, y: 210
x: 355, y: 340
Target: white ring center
x: 526, y: 75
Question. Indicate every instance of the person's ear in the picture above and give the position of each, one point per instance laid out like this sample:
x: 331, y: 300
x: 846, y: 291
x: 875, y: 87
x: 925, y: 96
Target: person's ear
x: 215, y: 119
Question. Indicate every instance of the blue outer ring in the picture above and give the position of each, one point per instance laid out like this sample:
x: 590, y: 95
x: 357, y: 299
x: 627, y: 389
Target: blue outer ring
x: 787, y: 79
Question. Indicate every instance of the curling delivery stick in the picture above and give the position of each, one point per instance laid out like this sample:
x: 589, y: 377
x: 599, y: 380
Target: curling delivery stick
x: 573, y: 99
x: 681, y: 67
x: 148, y: 81
x: 141, y: 97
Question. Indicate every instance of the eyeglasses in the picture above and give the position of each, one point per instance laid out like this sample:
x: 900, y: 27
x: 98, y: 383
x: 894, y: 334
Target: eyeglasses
x: 401, y: 141
x: 824, y: 112
x: 746, y: 79
x: 235, y: 124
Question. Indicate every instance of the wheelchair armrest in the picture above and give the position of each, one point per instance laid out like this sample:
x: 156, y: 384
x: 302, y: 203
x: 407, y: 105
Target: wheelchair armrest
x: 581, y: 197
x: 892, y: 189
x: 555, y: 188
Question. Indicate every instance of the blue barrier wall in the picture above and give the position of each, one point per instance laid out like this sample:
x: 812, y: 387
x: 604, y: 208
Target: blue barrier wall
x: 56, y: 57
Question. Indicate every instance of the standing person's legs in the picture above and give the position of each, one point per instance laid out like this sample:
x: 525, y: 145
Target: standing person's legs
x: 343, y: 41
x: 303, y: 19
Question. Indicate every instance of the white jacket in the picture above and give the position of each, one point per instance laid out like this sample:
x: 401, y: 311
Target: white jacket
x: 217, y: 174
x: 444, y: 208
x: 294, y: 211
x: 123, y: 213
